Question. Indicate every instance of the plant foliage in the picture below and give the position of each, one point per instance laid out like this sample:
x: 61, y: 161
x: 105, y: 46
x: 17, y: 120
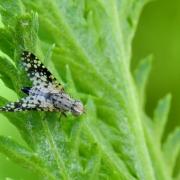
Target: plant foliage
x: 87, y: 46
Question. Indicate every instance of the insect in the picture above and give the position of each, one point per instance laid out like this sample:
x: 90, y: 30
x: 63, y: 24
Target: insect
x: 46, y: 94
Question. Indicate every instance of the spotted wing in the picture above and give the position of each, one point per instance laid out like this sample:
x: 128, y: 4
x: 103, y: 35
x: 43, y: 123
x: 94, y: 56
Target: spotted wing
x: 27, y: 104
x: 37, y: 72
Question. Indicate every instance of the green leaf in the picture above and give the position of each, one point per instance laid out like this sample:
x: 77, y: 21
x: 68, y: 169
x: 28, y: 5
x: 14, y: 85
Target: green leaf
x: 161, y: 116
x: 92, y: 56
x: 171, y: 148
x: 8, y: 76
x: 141, y: 76
x: 22, y: 155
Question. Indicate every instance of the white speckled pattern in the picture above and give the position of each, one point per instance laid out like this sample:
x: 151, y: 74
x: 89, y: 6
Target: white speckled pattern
x: 46, y: 94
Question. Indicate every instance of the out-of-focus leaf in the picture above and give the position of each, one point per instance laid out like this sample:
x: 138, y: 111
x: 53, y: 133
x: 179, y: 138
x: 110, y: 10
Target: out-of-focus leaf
x: 161, y: 116
x: 171, y: 148
x: 141, y: 76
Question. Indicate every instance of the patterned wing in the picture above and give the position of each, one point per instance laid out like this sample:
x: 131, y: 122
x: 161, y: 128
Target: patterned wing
x: 37, y: 72
x: 27, y: 104
x: 23, y: 104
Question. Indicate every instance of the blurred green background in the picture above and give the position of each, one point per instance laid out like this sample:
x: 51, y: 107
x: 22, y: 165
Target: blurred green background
x: 158, y: 33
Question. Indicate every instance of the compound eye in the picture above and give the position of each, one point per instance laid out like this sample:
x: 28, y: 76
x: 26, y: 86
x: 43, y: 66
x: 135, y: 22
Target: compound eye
x: 77, y: 108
